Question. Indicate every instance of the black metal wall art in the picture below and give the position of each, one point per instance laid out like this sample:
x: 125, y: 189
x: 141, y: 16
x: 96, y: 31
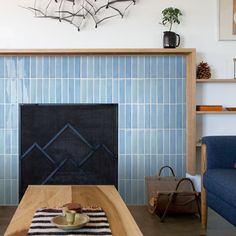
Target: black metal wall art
x: 79, y: 12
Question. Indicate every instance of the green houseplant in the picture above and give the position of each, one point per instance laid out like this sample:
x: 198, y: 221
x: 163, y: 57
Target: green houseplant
x: 170, y: 17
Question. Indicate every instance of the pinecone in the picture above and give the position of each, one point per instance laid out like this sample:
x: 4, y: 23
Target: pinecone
x: 203, y: 71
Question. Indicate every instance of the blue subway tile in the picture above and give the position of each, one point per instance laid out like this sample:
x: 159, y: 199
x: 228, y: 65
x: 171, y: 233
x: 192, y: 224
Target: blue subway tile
x: 52, y: 91
x: 83, y: 90
x: 2, y: 192
x: 173, y: 116
x: 128, y: 116
x: 147, y: 141
x: 173, y: 90
x: 141, y: 143
x: 160, y: 142
x: 141, y: 192
x: 141, y: 116
x: 103, y: 73
x: 89, y: 91
x: 179, y: 67
x: 96, y: 91
x: 134, y: 90
x: 160, y: 67
x: 153, y: 67
x: 109, y: 67
x: 65, y: 67
x: 153, y: 116
x: 103, y: 93
x: 148, y: 91
x: 52, y: 63
x: 153, y: 91
x: 128, y: 91
x: 147, y: 116
x: 71, y: 67
x: 46, y: 67
x: 160, y: 91
x: 2, y: 115
x: 134, y: 191
x: 160, y: 116
x: 27, y: 66
x: 2, y: 66
x: 77, y: 91
x: 128, y: 142
x: 14, y: 192
x: 147, y: 66
x: 122, y: 142
x: 153, y: 163
x: 122, y: 117
x: 134, y: 142
x: 71, y: 91
x: 33, y: 91
x: 2, y: 168
x: 134, y: 67
x: 172, y: 66
x: 179, y: 121
x: 122, y: 68
x: 153, y: 141
x: 166, y: 117
x: 134, y: 170
x: 141, y: 67
x: 77, y: 67
x: 90, y: 67
x: 58, y: 67
x: 58, y: 91
x: 7, y: 193
x: 128, y: 191
x: 173, y: 143
x: 128, y: 166
x: 166, y: 66
x: 147, y: 165
x: 141, y: 91
x: 166, y: 90
x: 141, y: 165
x: 115, y: 67
x: 109, y: 91
x: 2, y: 133
x: 128, y: 67
x: 2, y: 90
x: 7, y: 167
x: 122, y: 167
x: 134, y: 113
x: 122, y: 91
x: 39, y: 67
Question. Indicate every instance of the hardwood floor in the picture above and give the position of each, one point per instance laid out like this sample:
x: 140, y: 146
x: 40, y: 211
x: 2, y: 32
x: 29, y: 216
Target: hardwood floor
x: 151, y: 226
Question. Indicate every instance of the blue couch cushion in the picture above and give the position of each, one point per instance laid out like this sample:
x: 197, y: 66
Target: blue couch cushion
x: 222, y: 183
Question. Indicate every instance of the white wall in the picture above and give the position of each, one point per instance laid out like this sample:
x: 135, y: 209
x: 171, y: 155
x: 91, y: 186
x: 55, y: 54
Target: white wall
x: 139, y: 29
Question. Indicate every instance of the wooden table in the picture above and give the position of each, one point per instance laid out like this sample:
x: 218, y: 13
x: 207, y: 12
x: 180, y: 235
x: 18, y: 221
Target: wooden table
x: 36, y: 196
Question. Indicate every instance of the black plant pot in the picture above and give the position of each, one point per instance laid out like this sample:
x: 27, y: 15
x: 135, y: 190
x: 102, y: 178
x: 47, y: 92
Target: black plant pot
x: 170, y: 39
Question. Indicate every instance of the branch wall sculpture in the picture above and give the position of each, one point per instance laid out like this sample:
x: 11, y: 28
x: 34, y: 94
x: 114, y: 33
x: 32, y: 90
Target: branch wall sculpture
x: 78, y: 12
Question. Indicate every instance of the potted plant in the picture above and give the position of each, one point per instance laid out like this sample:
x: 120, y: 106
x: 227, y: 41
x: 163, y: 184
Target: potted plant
x: 171, y: 16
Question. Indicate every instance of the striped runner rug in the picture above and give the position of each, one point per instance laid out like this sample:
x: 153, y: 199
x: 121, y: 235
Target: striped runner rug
x: 41, y: 223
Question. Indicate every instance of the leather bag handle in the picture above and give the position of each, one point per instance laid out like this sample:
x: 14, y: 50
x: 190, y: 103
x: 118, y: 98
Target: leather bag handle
x: 164, y: 167
x: 185, y: 179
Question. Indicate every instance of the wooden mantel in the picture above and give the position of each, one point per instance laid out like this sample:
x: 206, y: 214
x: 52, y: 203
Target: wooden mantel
x: 96, y: 51
x: 190, y: 54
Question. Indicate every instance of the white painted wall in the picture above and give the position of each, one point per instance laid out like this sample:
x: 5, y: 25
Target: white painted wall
x: 19, y: 29
x: 139, y: 29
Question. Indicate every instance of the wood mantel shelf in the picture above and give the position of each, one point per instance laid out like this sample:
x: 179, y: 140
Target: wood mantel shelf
x: 97, y: 51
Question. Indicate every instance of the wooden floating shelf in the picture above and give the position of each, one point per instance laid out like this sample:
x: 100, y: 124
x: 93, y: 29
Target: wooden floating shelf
x: 216, y: 112
x: 216, y: 80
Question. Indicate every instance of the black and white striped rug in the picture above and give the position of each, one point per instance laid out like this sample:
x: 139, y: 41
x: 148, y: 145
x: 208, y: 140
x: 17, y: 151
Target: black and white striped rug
x: 41, y: 223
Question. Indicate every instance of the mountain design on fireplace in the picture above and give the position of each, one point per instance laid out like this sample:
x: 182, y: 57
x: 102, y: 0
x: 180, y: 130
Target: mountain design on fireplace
x: 68, y: 157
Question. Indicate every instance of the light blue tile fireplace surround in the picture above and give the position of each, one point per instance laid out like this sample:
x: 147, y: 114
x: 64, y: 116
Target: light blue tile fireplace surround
x: 150, y: 91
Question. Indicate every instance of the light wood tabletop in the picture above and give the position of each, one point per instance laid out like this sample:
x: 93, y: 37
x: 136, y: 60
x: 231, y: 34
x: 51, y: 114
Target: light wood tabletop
x: 107, y: 197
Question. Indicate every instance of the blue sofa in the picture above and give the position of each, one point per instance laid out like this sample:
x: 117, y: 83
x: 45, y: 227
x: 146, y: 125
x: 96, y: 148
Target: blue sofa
x: 218, y: 166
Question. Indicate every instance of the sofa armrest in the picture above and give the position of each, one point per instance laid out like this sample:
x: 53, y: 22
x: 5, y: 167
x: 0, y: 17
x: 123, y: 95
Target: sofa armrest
x: 220, y: 151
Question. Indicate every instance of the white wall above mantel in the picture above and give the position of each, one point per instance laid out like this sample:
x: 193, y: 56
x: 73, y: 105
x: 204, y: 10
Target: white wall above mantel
x: 139, y: 29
